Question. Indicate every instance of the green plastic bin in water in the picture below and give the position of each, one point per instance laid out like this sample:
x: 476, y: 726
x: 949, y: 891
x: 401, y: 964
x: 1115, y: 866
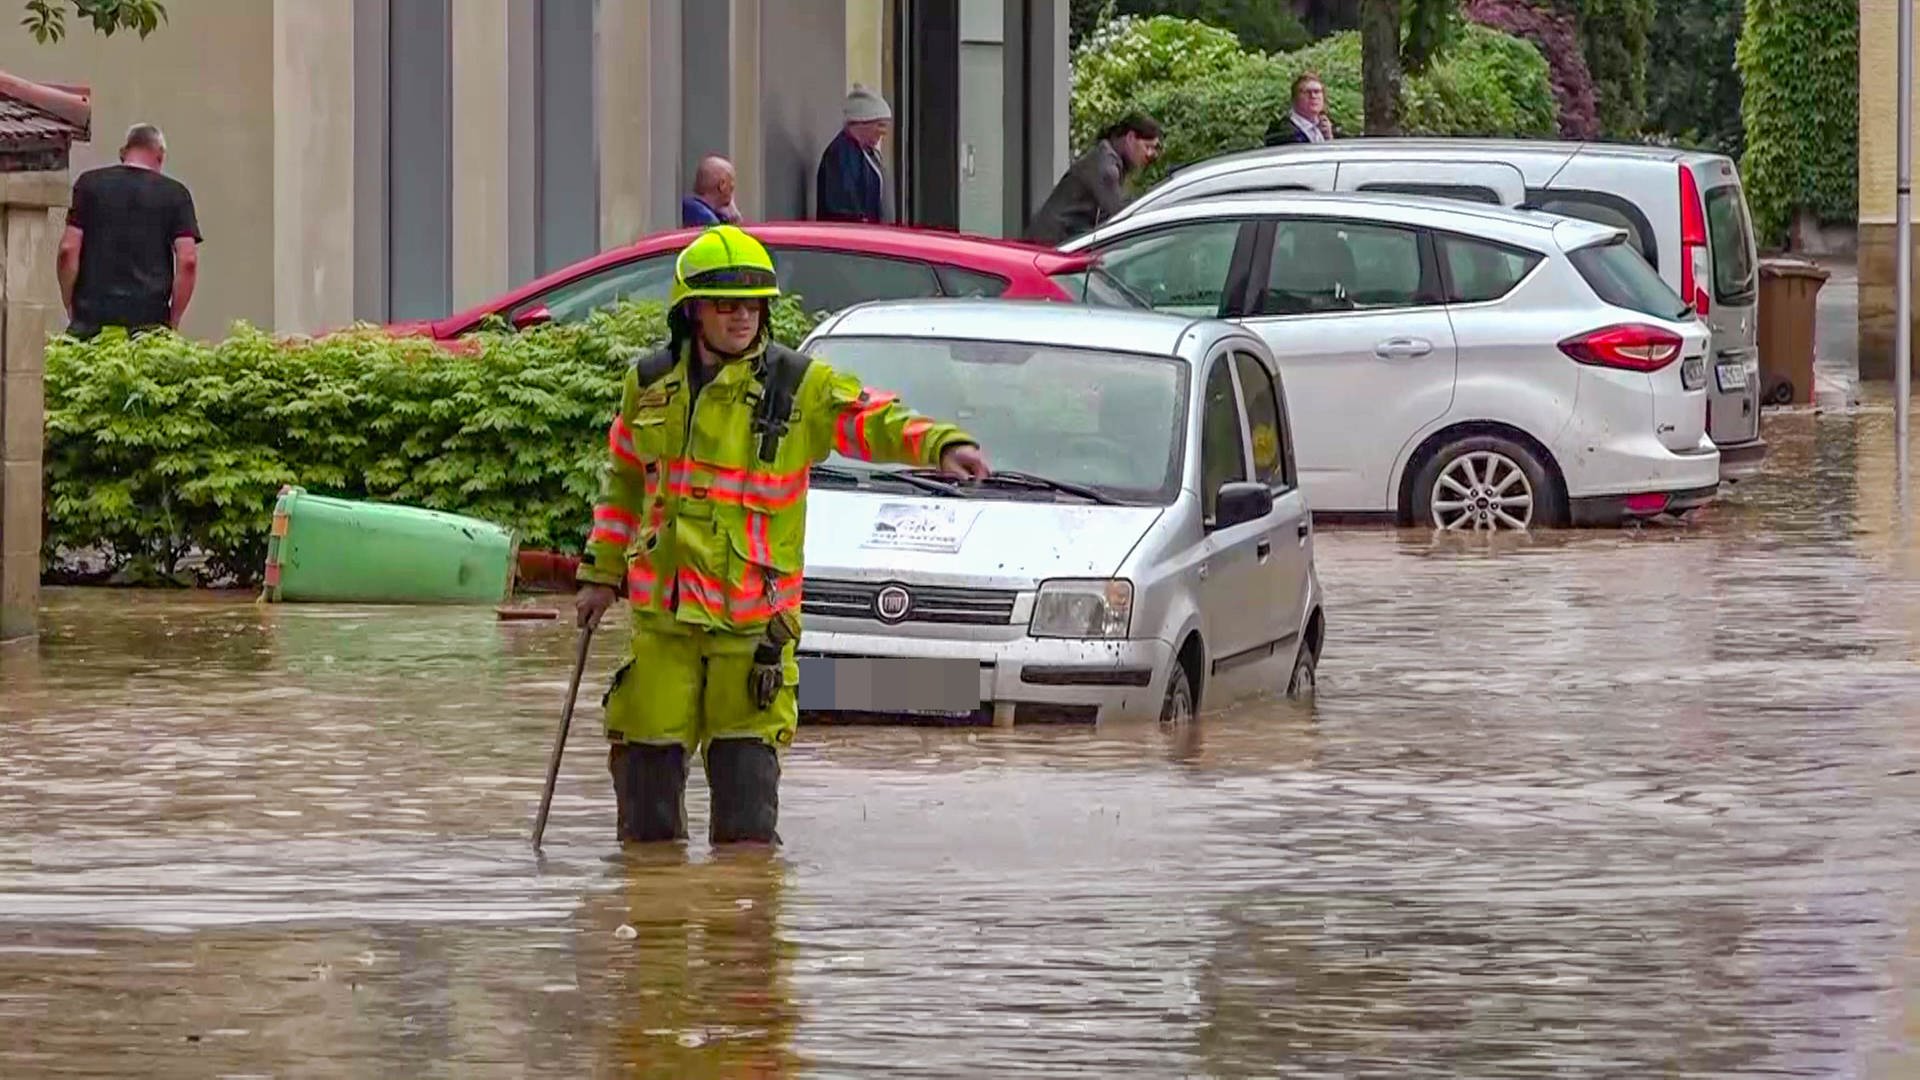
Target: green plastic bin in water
x: 338, y: 551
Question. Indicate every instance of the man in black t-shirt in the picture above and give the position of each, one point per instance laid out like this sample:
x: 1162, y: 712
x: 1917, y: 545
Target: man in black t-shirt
x: 131, y: 254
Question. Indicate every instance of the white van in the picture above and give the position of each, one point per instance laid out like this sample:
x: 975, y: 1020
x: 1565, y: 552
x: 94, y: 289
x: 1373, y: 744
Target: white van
x: 1683, y: 210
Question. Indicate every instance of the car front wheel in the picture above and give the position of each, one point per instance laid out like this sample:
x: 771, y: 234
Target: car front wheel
x: 1300, y: 685
x: 1486, y: 482
x: 1177, y: 707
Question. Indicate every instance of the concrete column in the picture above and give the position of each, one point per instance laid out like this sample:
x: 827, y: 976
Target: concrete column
x: 1879, y: 132
x: 627, y: 125
x: 748, y: 148
x: 313, y: 165
x: 671, y: 169
x: 30, y: 307
x: 482, y: 162
x: 1048, y: 91
x: 522, y: 138
x: 868, y: 44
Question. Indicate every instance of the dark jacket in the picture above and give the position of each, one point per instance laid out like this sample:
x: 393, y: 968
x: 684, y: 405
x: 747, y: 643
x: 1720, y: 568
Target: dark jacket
x: 1087, y: 195
x: 1284, y: 131
x: 847, y: 186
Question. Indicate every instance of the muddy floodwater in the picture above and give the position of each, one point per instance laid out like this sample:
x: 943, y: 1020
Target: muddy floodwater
x: 1609, y: 804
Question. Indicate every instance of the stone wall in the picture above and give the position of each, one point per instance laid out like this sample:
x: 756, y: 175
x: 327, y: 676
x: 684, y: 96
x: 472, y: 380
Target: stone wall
x: 29, y: 309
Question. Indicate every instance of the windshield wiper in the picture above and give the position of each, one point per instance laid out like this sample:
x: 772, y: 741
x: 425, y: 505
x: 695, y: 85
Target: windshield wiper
x: 860, y: 477
x: 1041, y: 483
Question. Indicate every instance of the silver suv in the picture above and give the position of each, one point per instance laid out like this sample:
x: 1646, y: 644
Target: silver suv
x: 1144, y: 549
x: 1684, y: 211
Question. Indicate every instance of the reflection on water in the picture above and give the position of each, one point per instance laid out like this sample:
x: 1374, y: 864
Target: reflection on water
x: 1621, y: 803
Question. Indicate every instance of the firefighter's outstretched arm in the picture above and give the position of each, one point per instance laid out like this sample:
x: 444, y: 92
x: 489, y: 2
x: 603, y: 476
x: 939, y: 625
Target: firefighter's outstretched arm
x: 873, y: 425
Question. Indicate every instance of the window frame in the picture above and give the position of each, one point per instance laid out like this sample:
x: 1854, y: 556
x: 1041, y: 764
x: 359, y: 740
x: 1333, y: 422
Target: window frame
x: 1289, y: 476
x: 775, y: 250
x: 1221, y: 357
x: 1234, y: 292
x: 1431, y: 293
x: 942, y: 269
x: 1435, y: 191
x: 543, y: 298
x: 1637, y: 221
x: 1442, y: 237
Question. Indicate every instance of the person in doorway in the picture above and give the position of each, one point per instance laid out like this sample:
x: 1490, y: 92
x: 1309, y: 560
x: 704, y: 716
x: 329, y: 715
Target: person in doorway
x: 850, y: 184
x: 130, y: 255
x: 1093, y: 188
x: 1308, y: 121
x: 712, y: 200
x: 703, y: 516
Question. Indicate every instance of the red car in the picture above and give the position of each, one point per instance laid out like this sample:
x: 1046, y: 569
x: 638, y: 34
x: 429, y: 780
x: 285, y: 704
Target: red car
x: 830, y: 265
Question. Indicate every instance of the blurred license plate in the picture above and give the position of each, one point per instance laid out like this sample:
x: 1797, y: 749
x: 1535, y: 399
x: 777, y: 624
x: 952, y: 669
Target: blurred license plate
x: 1732, y: 376
x: 841, y: 684
x: 1693, y: 373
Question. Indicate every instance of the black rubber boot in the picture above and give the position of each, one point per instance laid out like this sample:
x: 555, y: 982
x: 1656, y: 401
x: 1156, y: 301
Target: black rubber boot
x: 650, y: 785
x: 744, y: 777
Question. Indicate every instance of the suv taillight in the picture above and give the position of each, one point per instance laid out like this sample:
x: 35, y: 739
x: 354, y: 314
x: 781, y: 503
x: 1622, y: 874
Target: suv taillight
x: 1693, y: 244
x: 1629, y: 347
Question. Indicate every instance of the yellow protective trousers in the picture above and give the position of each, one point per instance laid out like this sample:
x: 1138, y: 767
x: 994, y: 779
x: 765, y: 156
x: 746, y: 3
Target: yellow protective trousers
x: 687, y: 686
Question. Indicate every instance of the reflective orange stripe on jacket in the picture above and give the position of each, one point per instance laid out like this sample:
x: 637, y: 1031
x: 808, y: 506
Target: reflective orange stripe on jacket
x: 751, y: 599
x: 850, y: 434
x: 763, y: 491
x: 612, y: 525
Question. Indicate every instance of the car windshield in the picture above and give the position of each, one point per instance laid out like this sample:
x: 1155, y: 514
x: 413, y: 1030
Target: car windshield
x: 1109, y: 421
x: 1622, y: 278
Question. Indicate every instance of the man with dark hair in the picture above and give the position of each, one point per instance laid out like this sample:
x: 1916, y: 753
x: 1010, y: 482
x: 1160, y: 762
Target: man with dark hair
x: 1308, y: 121
x: 1091, y: 192
x: 130, y: 255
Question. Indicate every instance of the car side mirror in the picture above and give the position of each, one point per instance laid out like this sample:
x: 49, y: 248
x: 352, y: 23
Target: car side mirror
x: 537, y: 315
x: 1240, y: 502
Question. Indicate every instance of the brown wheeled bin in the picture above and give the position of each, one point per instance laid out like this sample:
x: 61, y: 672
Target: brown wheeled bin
x: 1788, y: 291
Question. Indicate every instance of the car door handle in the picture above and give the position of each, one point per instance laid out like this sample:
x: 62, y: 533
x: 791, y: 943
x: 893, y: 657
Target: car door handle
x: 1301, y: 530
x: 1402, y: 348
x: 1264, y: 549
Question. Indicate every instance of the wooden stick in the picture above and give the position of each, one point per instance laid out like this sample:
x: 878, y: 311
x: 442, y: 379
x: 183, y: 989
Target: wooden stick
x: 560, y: 740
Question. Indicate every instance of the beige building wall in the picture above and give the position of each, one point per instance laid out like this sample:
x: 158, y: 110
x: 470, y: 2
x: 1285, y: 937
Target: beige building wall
x: 206, y: 77
x: 482, y: 163
x: 1879, y: 173
x: 626, y: 131
x: 313, y: 144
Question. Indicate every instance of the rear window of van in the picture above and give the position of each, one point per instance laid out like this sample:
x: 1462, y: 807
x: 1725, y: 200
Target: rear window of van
x: 1730, y: 234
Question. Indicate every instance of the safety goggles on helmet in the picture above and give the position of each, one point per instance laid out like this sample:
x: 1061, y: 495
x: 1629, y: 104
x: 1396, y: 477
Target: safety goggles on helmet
x: 732, y: 277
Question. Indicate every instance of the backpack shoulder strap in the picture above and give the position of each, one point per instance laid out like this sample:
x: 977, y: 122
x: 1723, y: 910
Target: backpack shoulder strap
x: 652, y: 367
x: 785, y: 370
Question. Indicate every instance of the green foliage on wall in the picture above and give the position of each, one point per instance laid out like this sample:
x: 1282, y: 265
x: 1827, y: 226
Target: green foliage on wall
x: 1799, y: 62
x: 159, y: 448
x: 1213, y: 97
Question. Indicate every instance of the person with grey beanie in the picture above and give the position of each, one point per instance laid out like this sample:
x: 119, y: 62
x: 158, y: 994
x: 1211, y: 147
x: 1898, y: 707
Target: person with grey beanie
x: 851, y: 182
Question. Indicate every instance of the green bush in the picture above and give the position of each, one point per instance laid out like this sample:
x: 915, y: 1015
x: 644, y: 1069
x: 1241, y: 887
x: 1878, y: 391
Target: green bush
x: 1124, y: 59
x: 1485, y: 83
x: 160, y: 448
x: 1799, y: 63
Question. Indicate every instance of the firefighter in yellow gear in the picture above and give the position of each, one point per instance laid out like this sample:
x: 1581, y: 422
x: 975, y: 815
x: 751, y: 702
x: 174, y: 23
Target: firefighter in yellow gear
x: 702, y: 517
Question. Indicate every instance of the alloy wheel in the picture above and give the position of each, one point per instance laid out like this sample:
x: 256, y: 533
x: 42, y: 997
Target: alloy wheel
x: 1482, y: 490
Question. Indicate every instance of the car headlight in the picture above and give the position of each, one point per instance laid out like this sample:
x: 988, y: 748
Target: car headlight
x: 1083, y: 609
